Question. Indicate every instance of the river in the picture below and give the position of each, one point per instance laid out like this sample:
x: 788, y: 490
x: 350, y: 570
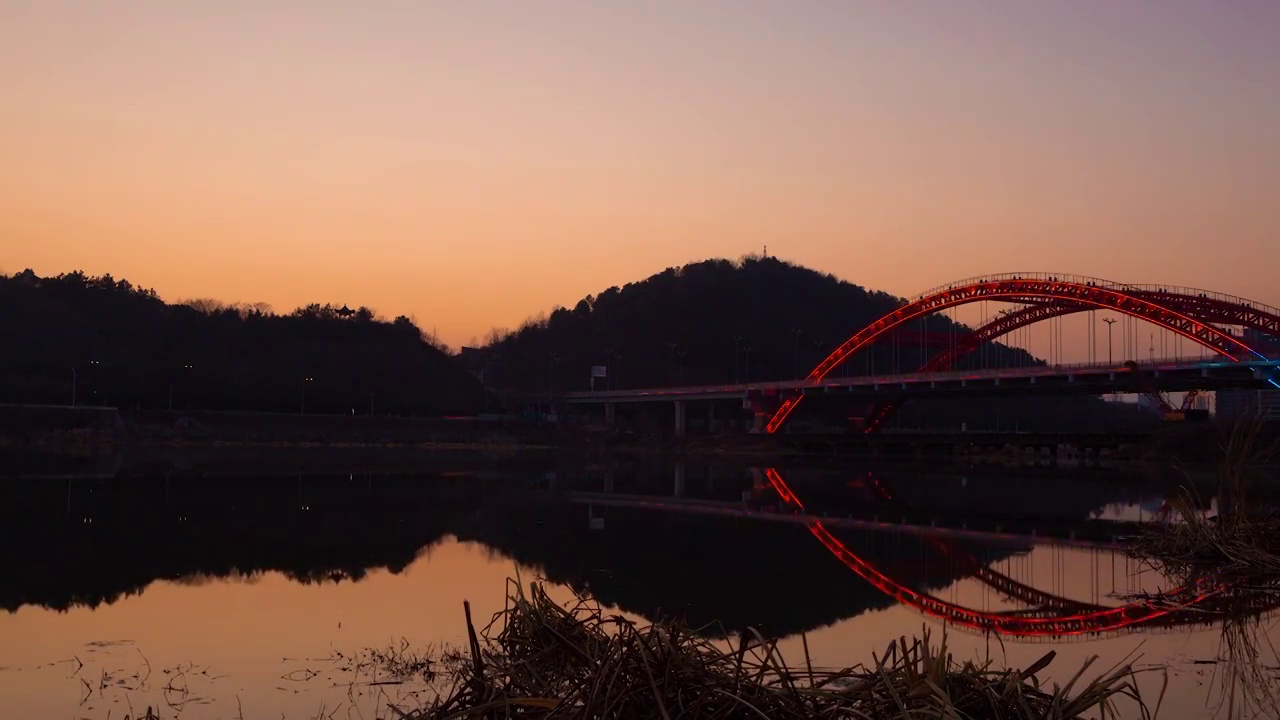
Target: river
x: 215, y: 595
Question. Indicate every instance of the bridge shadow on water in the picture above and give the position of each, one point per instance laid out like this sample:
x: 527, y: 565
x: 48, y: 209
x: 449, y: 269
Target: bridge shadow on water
x: 721, y: 550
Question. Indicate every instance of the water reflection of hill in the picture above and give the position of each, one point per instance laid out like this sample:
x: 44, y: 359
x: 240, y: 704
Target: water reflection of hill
x: 113, y: 538
x: 107, y: 539
x: 735, y: 571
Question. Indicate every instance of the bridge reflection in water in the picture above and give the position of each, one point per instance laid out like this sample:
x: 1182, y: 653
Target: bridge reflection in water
x: 1079, y: 607
x: 737, y: 551
x: 240, y: 571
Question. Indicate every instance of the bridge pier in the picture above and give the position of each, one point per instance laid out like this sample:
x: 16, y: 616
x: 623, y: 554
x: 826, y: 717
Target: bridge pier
x: 610, y: 413
x: 681, y: 417
x: 758, y: 484
x: 679, y: 482
x: 762, y: 406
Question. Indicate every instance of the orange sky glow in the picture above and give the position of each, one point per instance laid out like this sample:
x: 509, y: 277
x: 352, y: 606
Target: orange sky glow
x: 472, y: 164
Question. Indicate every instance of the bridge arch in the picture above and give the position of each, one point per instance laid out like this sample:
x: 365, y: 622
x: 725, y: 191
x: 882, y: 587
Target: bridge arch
x: 1195, y: 304
x: 1051, y: 290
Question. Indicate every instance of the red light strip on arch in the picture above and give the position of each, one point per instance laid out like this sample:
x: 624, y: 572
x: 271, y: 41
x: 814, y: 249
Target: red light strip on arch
x: 1205, y: 310
x: 1015, y: 289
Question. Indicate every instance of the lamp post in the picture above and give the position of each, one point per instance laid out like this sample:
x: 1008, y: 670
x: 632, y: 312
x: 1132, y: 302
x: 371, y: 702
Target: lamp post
x: 795, y: 353
x: 612, y: 361
x: 184, y: 367
x: 737, y: 353
x: 74, y: 383
x: 1109, y: 322
x: 303, y: 407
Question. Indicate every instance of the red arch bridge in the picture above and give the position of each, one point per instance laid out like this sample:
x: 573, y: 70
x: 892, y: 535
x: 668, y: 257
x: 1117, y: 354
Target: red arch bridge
x: 1223, y: 325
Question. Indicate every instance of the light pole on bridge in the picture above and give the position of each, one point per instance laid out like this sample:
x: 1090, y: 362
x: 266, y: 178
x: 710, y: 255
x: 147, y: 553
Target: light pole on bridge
x: 795, y: 353
x: 1109, y: 322
x: 302, y: 407
x: 737, y: 354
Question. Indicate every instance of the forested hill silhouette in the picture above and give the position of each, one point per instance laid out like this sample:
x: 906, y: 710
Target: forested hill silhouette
x: 720, y: 321
x: 124, y: 346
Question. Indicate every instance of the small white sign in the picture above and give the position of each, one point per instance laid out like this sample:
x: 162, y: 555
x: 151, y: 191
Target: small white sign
x: 599, y: 371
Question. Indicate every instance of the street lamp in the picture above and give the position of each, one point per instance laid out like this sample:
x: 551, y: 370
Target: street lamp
x: 303, y: 408
x: 795, y: 353
x: 184, y: 367
x: 1109, y: 322
x: 737, y: 353
x: 73, y: 382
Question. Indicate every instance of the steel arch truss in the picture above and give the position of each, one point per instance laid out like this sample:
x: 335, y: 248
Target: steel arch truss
x: 1197, y: 306
x: 1190, y: 314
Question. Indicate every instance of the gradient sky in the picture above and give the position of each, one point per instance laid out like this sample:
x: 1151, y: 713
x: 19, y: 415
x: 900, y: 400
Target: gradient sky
x: 473, y: 163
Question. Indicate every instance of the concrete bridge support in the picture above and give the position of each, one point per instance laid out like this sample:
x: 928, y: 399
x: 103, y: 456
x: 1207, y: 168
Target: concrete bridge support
x: 758, y: 482
x: 762, y: 407
x: 610, y: 413
x: 679, y: 483
x: 681, y: 417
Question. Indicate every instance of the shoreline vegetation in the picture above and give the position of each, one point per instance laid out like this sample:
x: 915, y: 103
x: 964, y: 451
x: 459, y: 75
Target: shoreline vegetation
x: 540, y: 659
x: 1239, y: 546
x: 1237, y: 551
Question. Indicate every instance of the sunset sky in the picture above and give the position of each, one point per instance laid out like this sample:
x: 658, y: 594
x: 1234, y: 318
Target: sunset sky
x: 473, y: 163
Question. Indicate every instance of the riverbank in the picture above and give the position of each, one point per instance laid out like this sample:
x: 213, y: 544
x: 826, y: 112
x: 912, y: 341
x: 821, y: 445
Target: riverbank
x: 94, y: 432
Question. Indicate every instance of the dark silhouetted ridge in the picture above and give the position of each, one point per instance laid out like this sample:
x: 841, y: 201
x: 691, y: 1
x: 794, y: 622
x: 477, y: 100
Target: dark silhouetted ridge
x: 128, y: 348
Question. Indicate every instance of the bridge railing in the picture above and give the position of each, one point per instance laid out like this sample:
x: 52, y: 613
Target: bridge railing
x: 1100, y: 282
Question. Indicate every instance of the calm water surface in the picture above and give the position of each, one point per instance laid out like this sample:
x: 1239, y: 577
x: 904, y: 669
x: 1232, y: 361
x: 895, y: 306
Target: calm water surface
x: 212, y: 596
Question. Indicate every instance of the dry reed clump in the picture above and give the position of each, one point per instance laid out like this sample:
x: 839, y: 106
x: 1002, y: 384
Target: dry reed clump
x: 1240, y: 545
x: 538, y: 659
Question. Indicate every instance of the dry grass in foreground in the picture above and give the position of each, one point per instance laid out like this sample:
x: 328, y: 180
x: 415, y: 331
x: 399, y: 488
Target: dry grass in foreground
x: 539, y: 659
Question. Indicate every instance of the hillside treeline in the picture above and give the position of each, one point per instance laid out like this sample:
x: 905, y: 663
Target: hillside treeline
x: 112, y: 343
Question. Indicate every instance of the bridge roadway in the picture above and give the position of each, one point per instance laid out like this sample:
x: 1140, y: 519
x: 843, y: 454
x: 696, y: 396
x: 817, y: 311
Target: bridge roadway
x: 1168, y: 375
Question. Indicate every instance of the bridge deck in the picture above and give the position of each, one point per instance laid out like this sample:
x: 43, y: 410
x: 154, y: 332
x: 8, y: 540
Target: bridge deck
x: 1172, y: 376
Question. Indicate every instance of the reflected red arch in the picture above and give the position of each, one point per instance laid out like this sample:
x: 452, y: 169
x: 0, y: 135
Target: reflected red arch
x: 1084, y: 292
x: 997, y: 581
x: 1079, y: 623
